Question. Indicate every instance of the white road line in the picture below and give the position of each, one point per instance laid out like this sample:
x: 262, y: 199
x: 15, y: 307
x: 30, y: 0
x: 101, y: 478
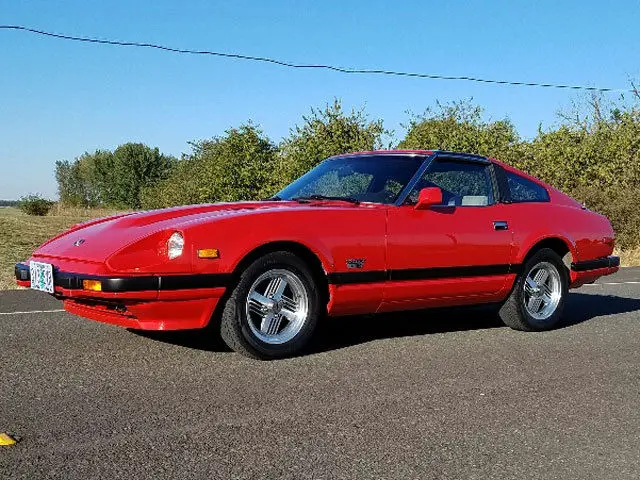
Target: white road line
x: 32, y: 311
x: 612, y: 283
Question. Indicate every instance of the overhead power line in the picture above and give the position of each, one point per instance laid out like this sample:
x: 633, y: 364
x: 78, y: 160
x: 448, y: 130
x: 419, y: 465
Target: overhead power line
x: 363, y: 71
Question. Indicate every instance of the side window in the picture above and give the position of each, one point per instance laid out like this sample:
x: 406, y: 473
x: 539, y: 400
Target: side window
x: 463, y: 184
x: 523, y: 190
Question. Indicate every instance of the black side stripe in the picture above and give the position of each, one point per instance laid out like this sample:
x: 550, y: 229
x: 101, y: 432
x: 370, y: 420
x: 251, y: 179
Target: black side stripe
x: 203, y: 280
x: 345, y: 278
x: 448, y: 272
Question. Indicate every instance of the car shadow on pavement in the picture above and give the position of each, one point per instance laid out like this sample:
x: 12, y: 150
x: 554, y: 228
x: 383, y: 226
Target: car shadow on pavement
x: 343, y: 332
x: 582, y: 307
x: 337, y: 333
x: 207, y: 338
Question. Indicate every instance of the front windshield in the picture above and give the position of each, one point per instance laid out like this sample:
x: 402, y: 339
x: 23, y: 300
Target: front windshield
x: 378, y: 179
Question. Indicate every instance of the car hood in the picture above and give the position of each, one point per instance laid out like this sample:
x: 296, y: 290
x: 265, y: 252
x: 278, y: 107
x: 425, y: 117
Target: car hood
x: 96, y: 240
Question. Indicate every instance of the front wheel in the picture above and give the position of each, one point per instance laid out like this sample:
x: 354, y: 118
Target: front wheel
x: 273, y: 309
x: 538, y: 296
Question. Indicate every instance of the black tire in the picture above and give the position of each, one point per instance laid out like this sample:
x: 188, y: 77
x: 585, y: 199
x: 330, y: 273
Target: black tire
x: 514, y: 313
x: 234, y: 324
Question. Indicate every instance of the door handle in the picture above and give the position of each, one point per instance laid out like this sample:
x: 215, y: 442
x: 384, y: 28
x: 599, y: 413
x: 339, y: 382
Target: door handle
x: 500, y: 225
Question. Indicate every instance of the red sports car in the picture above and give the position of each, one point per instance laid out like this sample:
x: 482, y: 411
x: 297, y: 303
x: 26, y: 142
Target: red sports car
x: 360, y: 233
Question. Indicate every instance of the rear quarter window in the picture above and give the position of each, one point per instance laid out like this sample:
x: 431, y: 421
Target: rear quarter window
x: 523, y: 190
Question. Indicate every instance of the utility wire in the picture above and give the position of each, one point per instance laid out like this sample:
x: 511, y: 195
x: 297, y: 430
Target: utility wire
x: 312, y: 66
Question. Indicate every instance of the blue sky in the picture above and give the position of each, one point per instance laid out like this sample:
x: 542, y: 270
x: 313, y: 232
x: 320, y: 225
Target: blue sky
x: 59, y: 99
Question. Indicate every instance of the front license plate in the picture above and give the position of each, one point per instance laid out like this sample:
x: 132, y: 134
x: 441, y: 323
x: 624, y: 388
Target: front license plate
x: 41, y: 276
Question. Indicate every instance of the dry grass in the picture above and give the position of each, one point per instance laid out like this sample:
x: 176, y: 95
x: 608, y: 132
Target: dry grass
x: 21, y: 234
x: 77, y: 212
x: 630, y: 258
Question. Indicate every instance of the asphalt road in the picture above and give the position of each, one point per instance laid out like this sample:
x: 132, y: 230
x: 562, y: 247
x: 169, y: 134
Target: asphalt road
x: 422, y: 395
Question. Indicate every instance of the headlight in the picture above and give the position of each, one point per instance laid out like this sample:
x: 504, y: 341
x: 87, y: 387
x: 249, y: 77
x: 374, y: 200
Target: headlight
x: 175, y: 245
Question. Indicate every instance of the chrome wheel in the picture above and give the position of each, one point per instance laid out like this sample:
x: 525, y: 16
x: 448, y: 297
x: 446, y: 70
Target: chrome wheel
x: 542, y: 291
x: 277, y: 306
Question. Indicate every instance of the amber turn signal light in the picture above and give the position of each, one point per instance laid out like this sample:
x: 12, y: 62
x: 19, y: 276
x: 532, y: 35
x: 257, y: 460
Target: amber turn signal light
x: 93, y: 285
x: 208, y: 253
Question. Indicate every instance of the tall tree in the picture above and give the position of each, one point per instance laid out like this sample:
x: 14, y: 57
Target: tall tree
x: 69, y: 182
x: 326, y: 132
x: 240, y: 165
x: 460, y: 127
x: 134, y: 166
x: 111, y: 178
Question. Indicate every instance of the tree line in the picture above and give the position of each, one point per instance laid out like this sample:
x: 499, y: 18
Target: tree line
x: 592, y: 153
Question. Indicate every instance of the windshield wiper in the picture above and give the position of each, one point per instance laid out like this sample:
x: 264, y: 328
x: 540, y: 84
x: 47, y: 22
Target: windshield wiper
x: 275, y: 198
x: 355, y: 201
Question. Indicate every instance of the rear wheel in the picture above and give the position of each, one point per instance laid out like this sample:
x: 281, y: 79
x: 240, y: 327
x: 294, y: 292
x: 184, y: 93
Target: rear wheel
x: 274, y: 308
x: 538, y: 297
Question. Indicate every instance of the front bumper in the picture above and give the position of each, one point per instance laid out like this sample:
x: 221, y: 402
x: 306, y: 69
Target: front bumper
x: 140, y: 283
x: 148, y: 302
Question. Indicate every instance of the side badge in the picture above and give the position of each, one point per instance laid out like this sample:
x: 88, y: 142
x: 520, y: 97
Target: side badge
x: 355, y: 262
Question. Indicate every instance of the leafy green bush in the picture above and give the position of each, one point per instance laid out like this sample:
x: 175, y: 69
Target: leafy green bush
x: 460, y: 127
x: 35, y: 205
x: 326, y: 132
x: 240, y: 165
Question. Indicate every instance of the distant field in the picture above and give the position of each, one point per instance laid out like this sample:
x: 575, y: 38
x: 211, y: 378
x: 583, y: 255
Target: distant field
x: 20, y: 234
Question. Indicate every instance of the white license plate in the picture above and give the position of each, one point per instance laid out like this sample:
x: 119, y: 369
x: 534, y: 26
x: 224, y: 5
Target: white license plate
x: 41, y: 276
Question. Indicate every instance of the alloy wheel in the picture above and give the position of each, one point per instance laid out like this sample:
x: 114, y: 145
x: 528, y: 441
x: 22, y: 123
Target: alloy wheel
x: 542, y: 291
x: 277, y: 306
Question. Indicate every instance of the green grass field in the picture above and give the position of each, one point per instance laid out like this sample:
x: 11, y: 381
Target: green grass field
x: 21, y: 234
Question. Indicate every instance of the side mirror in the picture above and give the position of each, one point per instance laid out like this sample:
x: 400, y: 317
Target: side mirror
x: 428, y: 197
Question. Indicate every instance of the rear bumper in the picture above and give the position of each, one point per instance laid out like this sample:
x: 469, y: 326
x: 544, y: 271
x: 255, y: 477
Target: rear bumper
x: 597, y: 264
x: 590, y: 270
x: 150, y: 302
